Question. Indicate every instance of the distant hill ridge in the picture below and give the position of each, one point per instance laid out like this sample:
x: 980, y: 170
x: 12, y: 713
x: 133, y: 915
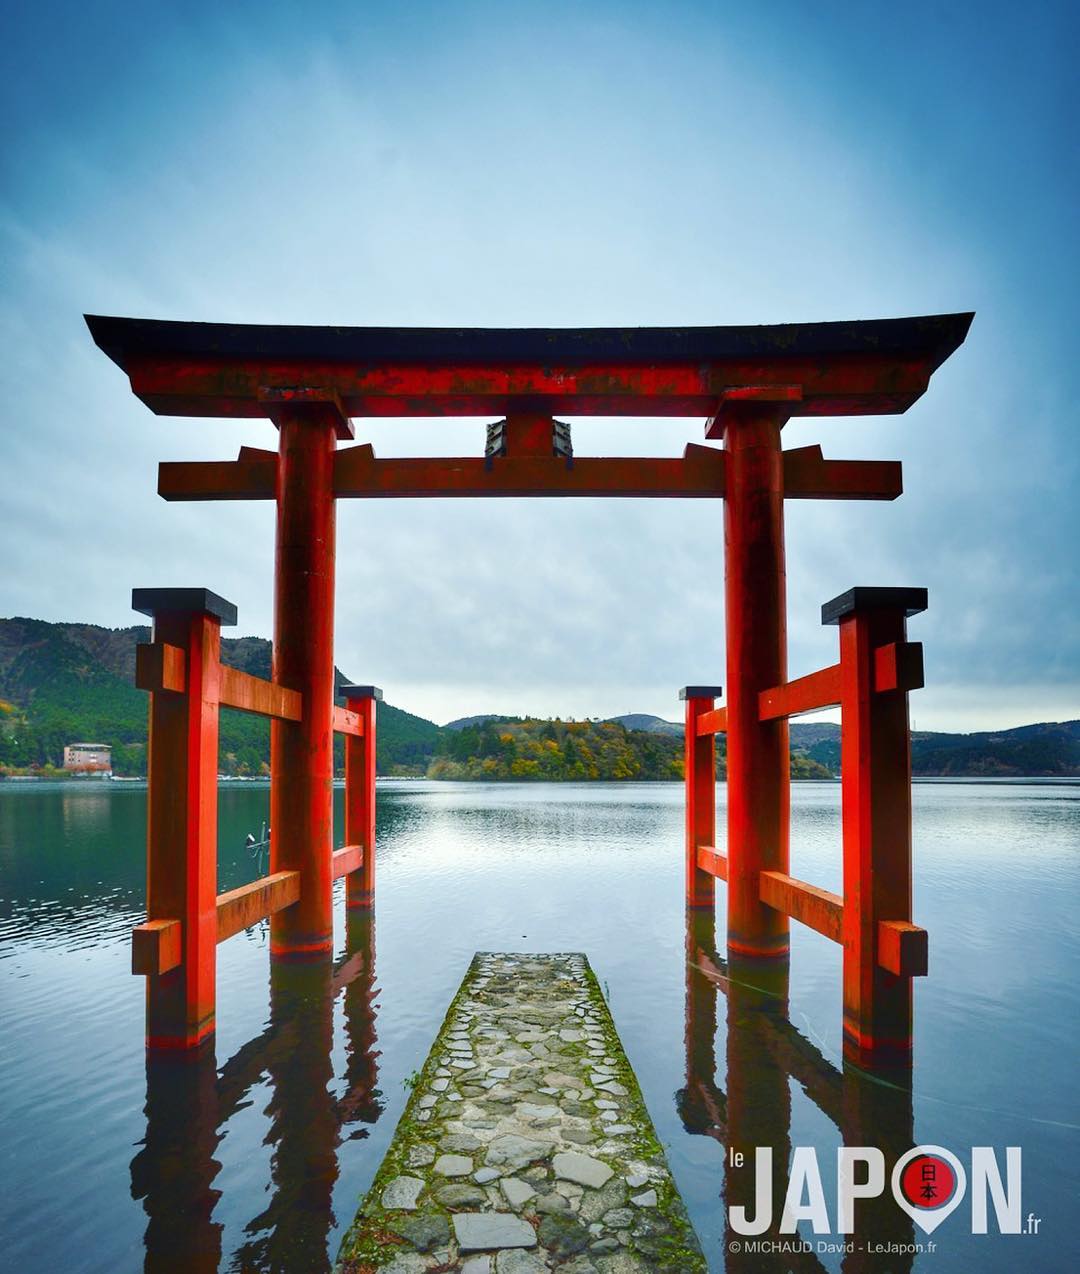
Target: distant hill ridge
x: 65, y: 682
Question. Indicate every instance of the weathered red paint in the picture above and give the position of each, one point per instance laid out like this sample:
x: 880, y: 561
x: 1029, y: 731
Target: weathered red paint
x: 699, y: 474
x: 360, y: 798
x: 876, y: 804
x: 757, y: 750
x: 831, y: 386
x: 181, y: 859
x: 700, y: 771
x: 301, y: 752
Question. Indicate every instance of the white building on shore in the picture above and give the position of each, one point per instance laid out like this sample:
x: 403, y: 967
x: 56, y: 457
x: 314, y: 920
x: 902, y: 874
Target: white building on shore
x: 88, y: 758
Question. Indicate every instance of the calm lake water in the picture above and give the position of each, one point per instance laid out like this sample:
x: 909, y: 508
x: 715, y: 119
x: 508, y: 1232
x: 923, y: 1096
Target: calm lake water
x: 256, y: 1159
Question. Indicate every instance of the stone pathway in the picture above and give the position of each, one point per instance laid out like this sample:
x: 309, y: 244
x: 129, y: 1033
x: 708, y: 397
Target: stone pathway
x: 525, y: 1146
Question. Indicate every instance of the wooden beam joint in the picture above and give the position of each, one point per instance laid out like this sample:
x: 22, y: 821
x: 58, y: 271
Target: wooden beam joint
x: 898, y: 666
x: 160, y: 666
x: 155, y: 947
x: 902, y: 948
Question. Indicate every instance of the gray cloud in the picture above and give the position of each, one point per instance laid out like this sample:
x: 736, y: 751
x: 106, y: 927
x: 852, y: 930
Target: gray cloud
x: 638, y: 172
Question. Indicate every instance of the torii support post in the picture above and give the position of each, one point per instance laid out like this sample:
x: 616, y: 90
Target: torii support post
x: 883, y: 950
x: 700, y: 772
x: 360, y: 793
x: 758, y: 777
x: 302, y: 752
x: 181, y: 843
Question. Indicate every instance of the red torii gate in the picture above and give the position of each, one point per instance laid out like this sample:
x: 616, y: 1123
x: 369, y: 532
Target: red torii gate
x: 747, y: 382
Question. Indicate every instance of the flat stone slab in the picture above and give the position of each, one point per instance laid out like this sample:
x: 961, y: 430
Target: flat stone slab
x: 532, y: 1154
x: 491, y: 1231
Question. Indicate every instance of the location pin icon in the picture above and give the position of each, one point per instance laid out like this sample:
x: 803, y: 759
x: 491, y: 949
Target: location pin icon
x: 928, y: 1183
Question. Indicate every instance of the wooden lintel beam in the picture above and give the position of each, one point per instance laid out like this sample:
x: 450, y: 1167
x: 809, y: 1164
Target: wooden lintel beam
x: 902, y: 948
x: 217, y: 479
x: 155, y: 947
x: 254, y: 694
x: 834, y: 385
x: 346, y: 722
x: 241, y: 908
x: 712, y: 860
x: 714, y: 722
x: 806, y: 694
x: 809, y: 476
x: 817, y: 908
x: 160, y: 666
x: 698, y: 474
x: 348, y: 859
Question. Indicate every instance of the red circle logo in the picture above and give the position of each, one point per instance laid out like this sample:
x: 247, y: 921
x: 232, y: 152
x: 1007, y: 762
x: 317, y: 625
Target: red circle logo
x: 928, y: 1181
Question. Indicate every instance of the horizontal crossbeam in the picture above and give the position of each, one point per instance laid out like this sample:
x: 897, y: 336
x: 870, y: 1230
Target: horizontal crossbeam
x: 254, y: 694
x: 241, y: 908
x: 700, y: 473
x: 817, y: 908
x: 809, y: 476
x: 346, y: 722
x: 159, y: 666
x: 156, y: 945
x: 806, y: 694
x: 714, y: 722
x: 714, y: 861
x: 348, y: 859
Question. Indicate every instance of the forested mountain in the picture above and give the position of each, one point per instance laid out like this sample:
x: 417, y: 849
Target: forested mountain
x: 63, y: 683
x: 531, y: 748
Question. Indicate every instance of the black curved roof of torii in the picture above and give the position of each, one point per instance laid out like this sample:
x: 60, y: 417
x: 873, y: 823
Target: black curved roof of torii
x: 931, y: 337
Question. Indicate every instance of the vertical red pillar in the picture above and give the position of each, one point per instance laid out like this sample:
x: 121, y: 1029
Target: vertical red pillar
x: 302, y: 752
x: 758, y: 793
x: 181, y: 859
x: 175, y: 1168
x: 758, y: 1089
x: 700, y: 774
x: 877, y: 668
x: 700, y: 1103
x: 360, y: 793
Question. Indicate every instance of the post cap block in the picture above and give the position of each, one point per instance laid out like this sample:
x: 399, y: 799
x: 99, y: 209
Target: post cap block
x: 197, y: 601
x: 701, y: 692
x: 349, y: 691
x: 910, y: 600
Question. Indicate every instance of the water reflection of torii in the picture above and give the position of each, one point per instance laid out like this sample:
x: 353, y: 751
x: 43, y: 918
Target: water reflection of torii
x: 189, y: 1103
x: 764, y: 1051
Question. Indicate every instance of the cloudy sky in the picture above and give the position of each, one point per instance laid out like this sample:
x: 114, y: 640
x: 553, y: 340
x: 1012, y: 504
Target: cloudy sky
x: 554, y: 164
